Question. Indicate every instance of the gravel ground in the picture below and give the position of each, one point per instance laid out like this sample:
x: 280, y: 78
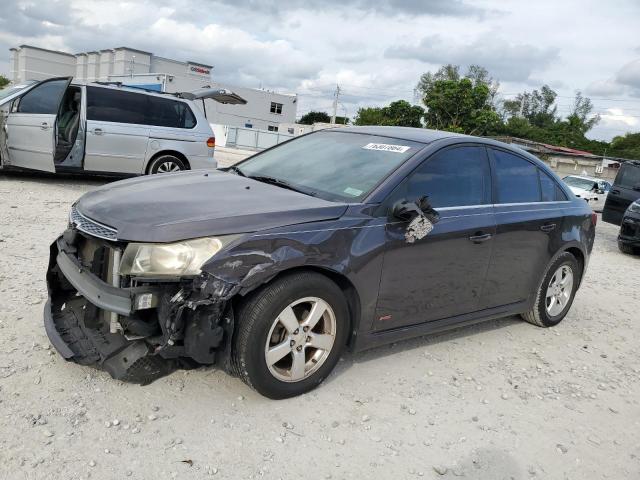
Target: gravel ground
x: 500, y: 400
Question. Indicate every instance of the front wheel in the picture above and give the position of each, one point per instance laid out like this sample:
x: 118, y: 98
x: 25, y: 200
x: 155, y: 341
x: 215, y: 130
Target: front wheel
x: 556, y: 292
x: 290, y: 335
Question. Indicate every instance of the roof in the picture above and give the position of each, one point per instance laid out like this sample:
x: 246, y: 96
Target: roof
x: 421, y: 135
x: 571, y: 151
x: 43, y: 50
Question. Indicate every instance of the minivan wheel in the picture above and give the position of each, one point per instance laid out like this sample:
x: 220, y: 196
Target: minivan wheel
x: 290, y: 335
x: 556, y: 292
x: 166, y: 164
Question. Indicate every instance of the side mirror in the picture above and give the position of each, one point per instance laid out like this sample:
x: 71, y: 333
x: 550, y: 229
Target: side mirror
x: 407, y: 211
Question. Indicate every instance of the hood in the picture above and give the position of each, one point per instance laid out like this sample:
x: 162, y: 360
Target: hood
x: 173, y: 207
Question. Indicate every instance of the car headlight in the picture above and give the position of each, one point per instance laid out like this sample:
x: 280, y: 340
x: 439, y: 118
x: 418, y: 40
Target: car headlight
x: 170, y: 259
x: 635, y: 207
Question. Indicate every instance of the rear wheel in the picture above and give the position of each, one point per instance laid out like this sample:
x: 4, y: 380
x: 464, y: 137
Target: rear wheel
x: 290, y: 335
x: 556, y: 292
x: 166, y: 164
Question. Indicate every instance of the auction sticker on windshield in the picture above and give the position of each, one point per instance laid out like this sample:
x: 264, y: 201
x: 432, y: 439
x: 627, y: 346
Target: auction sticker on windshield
x: 385, y: 147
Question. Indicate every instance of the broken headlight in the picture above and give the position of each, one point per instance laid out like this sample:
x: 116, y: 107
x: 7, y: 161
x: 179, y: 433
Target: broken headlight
x: 170, y: 259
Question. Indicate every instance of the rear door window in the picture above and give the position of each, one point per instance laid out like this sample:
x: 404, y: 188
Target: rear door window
x: 44, y: 98
x: 111, y: 105
x: 454, y: 177
x: 516, y: 178
x: 164, y: 112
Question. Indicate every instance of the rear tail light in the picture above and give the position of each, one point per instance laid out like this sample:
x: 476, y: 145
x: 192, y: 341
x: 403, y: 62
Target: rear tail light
x: 594, y: 218
x: 211, y: 142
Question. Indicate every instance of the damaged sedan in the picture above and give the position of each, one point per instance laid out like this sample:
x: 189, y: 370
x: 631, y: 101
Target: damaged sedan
x: 343, y: 238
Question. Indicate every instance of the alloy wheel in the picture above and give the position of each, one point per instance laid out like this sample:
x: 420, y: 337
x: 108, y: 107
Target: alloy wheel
x: 559, y: 290
x: 168, y: 166
x: 300, y: 339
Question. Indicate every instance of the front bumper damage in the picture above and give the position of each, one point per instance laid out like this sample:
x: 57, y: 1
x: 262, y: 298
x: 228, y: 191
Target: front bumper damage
x: 139, y: 330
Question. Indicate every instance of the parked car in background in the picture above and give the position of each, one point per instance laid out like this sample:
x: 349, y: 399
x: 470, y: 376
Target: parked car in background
x: 629, y: 236
x: 625, y: 190
x: 345, y: 237
x: 58, y: 126
x: 590, y: 189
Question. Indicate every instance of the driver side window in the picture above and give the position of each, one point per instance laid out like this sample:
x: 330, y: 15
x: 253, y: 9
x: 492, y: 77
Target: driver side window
x: 454, y: 177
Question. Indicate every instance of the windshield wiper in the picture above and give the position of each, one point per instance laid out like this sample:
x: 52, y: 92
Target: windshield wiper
x: 235, y: 169
x: 280, y: 183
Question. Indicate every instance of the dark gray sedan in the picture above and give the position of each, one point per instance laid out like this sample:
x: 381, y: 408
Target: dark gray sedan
x: 351, y: 237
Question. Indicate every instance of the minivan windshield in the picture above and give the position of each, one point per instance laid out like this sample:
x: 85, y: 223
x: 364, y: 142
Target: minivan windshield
x: 333, y: 165
x: 5, y: 92
x: 578, y: 182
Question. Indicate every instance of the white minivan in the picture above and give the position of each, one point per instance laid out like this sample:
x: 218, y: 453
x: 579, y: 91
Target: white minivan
x: 59, y: 126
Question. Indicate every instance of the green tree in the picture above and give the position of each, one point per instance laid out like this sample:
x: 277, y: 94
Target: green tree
x: 4, y: 81
x: 312, y: 117
x: 538, y: 107
x: 463, y: 104
x: 625, y: 146
x: 399, y: 113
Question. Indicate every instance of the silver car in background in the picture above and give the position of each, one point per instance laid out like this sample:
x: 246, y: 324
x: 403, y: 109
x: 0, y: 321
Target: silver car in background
x: 59, y: 126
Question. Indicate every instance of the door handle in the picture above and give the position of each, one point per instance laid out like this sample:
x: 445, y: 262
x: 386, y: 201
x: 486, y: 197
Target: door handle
x: 615, y: 191
x: 44, y: 126
x: 547, y: 227
x: 97, y: 131
x: 480, y: 238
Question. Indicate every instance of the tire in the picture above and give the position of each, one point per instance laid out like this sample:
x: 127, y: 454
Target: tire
x: 546, y: 312
x: 260, y: 329
x: 627, y: 249
x: 166, y: 164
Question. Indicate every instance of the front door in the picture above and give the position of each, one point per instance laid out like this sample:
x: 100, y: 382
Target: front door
x: 30, y: 128
x: 529, y: 210
x: 442, y: 274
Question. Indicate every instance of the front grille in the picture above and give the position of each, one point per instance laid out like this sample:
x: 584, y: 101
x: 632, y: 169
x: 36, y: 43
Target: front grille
x: 91, y: 227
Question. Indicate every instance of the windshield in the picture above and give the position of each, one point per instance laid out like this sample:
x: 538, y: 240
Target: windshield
x: 333, y: 165
x: 577, y: 182
x: 10, y: 90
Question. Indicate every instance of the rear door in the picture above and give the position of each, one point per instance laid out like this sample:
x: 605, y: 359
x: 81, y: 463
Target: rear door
x: 30, y: 128
x: 529, y: 208
x: 625, y: 190
x: 117, y: 130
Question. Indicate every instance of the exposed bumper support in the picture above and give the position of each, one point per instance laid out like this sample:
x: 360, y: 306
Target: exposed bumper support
x: 186, y: 328
x: 98, y: 292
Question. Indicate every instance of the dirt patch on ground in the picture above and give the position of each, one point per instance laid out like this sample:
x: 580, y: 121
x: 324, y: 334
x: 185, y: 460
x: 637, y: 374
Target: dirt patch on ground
x: 494, y: 401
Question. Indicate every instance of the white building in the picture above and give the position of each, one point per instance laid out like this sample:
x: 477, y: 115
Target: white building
x: 264, y: 110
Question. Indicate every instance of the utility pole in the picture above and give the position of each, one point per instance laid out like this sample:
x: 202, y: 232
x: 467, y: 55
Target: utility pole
x: 335, y: 104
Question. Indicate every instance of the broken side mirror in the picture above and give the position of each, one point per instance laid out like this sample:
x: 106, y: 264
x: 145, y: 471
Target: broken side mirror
x: 407, y: 210
x: 420, y: 215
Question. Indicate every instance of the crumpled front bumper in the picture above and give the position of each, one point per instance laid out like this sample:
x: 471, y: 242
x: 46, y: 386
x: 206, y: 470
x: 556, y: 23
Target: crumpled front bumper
x: 181, y: 330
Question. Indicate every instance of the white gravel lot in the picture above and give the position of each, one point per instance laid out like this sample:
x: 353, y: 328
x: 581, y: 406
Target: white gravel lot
x: 501, y: 400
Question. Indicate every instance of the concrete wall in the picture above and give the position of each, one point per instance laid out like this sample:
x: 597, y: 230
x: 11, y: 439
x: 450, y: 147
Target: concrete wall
x: 564, y: 166
x: 31, y: 63
x: 257, y: 110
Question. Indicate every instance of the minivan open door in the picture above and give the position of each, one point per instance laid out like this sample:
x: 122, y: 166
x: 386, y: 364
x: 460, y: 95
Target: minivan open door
x: 220, y: 95
x: 30, y: 128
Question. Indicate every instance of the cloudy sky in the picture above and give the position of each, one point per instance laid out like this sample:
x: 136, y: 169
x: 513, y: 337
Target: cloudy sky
x: 375, y: 50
